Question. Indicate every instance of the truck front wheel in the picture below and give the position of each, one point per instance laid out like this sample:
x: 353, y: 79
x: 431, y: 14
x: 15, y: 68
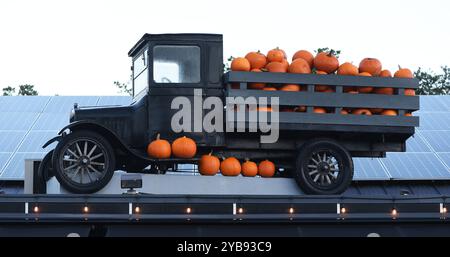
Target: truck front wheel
x: 83, y: 162
x: 323, y: 167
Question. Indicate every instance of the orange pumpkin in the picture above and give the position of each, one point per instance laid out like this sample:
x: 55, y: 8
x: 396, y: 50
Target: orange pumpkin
x: 184, y: 147
x: 410, y: 92
x: 321, y: 88
x: 305, y: 55
x: 365, y: 90
x: 270, y: 89
x: 344, y: 112
x: 230, y: 167
x: 408, y: 114
x: 256, y: 85
x: 389, y: 112
x: 404, y: 73
x: 351, y: 91
x: 249, y: 169
x: 257, y: 60
x: 285, y: 64
x: 240, y: 64
x: 361, y: 112
x: 290, y: 87
x: 209, y: 165
x: 347, y: 69
x: 370, y: 65
x: 376, y: 110
x: 266, y: 169
x: 264, y: 109
x: 299, y: 66
x: 319, y: 110
x: 385, y: 74
x: 159, y: 148
x: 300, y: 109
x: 276, y: 55
x: 276, y: 67
x: 326, y: 61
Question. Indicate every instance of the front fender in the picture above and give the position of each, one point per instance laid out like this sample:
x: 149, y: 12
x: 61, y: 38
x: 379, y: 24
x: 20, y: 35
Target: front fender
x: 57, y: 138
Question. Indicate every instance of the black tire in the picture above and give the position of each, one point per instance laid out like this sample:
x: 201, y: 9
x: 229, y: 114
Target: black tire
x: 45, y: 171
x: 323, y: 167
x: 97, y: 165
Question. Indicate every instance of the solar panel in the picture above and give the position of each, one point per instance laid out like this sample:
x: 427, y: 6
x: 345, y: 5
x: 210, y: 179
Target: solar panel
x: 9, y: 140
x: 15, y: 169
x: 23, y: 103
x: 438, y: 140
x: 416, y: 144
x: 3, y: 158
x: 63, y: 104
x: 51, y: 121
x: 434, y: 104
x: 114, y: 100
x: 434, y: 121
x: 17, y: 120
x: 35, y: 139
x: 369, y: 169
x: 445, y: 157
x: 415, y: 166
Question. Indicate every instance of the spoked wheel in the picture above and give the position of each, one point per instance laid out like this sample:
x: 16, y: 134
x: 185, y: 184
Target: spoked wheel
x: 324, y: 167
x: 84, y: 162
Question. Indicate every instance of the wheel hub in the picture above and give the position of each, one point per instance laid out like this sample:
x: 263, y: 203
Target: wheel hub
x: 323, y: 167
x: 85, y: 161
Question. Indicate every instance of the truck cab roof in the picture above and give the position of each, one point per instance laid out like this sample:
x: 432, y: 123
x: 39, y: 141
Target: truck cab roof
x: 174, y: 37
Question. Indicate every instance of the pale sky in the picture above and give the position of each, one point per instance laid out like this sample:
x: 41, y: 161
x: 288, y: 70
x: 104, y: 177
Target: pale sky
x: 80, y: 47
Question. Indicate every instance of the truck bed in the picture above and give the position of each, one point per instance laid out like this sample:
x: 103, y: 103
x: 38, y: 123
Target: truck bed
x: 310, y: 121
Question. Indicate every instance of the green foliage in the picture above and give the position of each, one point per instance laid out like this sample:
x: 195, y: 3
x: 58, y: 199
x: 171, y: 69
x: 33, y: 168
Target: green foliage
x: 26, y: 89
x: 431, y: 83
x: 8, y: 91
x: 124, y: 88
x: 329, y: 51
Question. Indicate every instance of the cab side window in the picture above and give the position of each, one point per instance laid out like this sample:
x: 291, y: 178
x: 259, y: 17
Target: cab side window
x: 176, y: 64
x: 140, y: 74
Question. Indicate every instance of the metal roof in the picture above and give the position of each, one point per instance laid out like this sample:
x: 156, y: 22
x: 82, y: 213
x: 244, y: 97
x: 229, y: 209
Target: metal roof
x: 26, y: 122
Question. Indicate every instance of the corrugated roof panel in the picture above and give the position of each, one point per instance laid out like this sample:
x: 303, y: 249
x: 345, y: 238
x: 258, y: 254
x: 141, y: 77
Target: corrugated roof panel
x: 416, y: 144
x: 23, y: 103
x: 3, y: 159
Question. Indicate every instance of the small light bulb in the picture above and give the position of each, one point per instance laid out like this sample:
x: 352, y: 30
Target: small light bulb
x: 343, y: 210
x: 240, y: 210
x: 394, y: 212
x: 85, y: 209
x: 188, y: 210
x: 444, y: 210
x: 291, y: 210
x: 36, y: 209
x: 137, y: 209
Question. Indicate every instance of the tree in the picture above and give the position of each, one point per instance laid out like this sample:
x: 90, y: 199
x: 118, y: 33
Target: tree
x: 431, y: 83
x: 27, y: 90
x: 8, y: 91
x: 124, y: 87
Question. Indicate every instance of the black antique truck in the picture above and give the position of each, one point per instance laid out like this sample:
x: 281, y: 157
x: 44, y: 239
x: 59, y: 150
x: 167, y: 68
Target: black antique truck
x: 314, y: 148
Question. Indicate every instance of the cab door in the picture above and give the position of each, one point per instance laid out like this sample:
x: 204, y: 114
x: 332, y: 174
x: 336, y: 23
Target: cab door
x: 178, y: 69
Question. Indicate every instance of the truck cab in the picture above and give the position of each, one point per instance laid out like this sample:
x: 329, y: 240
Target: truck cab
x: 315, y: 149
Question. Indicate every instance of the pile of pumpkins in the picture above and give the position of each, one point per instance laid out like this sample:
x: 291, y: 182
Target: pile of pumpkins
x: 209, y: 164
x: 324, y: 63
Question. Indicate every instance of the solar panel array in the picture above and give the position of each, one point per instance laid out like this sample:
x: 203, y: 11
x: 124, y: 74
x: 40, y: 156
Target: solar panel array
x: 27, y: 122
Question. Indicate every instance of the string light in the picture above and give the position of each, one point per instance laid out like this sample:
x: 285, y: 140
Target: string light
x: 291, y: 210
x: 36, y: 209
x: 137, y: 209
x: 343, y: 210
x: 240, y: 210
x: 85, y: 209
x: 188, y: 210
x: 394, y: 212
x: 444, y: 210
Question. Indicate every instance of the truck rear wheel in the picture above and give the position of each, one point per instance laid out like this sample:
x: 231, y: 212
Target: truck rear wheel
x: 83, y: 162
x: 323, y: 167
